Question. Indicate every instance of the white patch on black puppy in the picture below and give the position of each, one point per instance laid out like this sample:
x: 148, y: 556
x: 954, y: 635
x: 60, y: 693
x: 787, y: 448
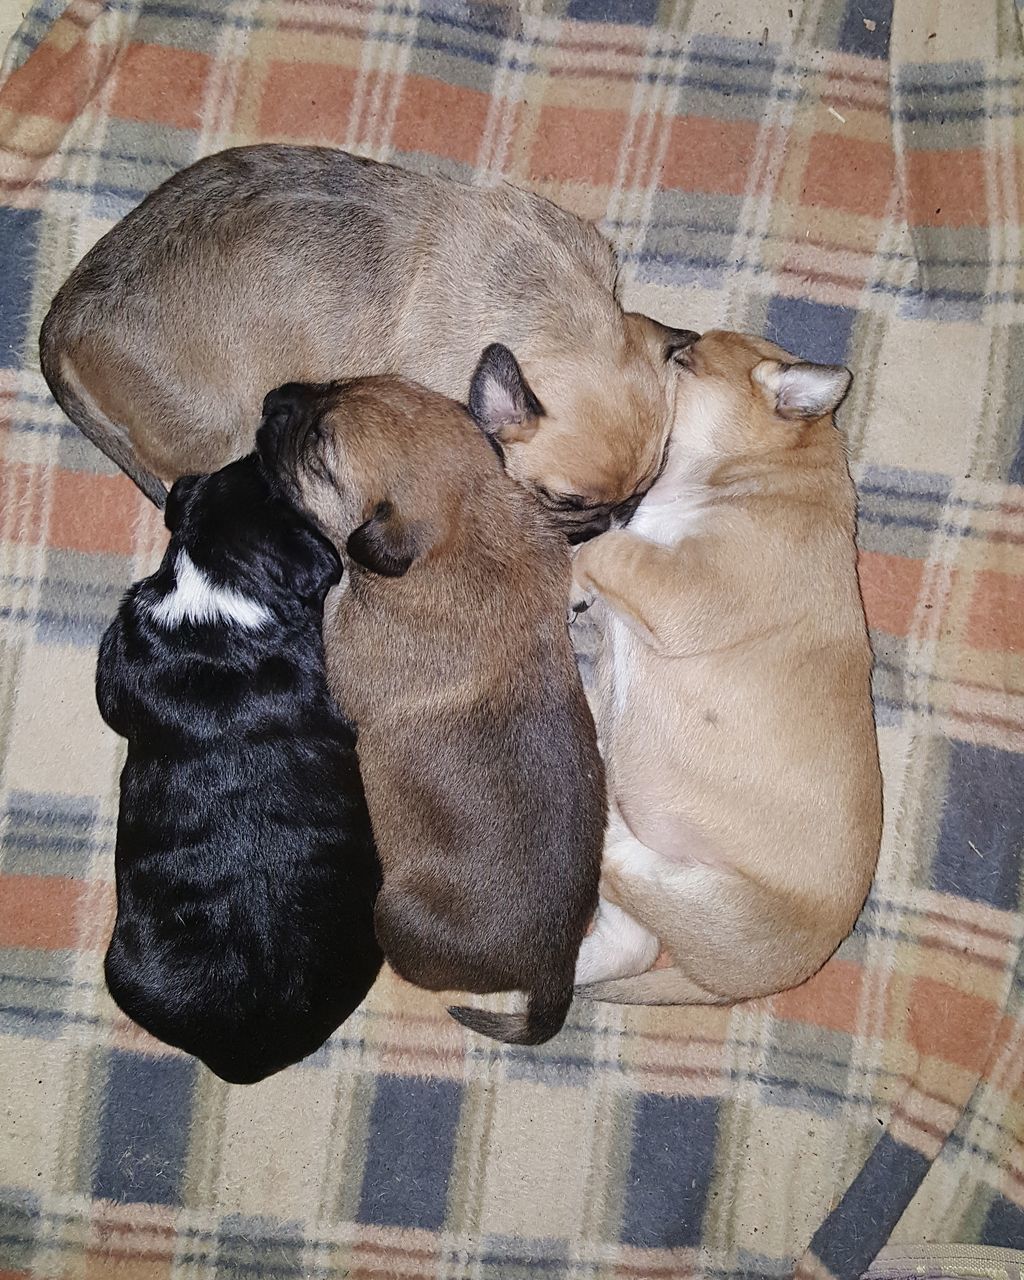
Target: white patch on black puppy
x: 195, y: 599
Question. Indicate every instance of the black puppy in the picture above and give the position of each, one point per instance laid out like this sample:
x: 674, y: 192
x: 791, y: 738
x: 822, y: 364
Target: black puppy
x: 246, y: 871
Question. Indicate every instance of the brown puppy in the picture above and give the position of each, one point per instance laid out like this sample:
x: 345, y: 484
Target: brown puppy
x: 268, y: 264
x: 450, y: 651
x: 736, y: 719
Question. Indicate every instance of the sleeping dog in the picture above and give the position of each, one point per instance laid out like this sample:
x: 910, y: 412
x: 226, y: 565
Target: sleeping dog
x: 735, y: 694
x: 449, y: 649
x: 313, y: 264
x: 246, y: 871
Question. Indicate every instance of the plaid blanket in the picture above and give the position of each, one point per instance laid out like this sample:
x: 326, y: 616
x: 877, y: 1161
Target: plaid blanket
x: 842, y: 175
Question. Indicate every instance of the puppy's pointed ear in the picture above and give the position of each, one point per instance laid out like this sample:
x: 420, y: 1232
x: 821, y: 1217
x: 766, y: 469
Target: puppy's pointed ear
x: 802, y: 390
x: 500, y: 400
x: 678, y: 343
x: 383, y: 544
x: 177, y: 500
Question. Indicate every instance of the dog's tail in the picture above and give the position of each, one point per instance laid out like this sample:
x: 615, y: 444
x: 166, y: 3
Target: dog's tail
x: 544, y: 1016
x: 67, y: 389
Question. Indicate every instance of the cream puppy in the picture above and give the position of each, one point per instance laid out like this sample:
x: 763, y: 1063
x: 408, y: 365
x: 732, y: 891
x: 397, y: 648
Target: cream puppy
x: 734, y: 690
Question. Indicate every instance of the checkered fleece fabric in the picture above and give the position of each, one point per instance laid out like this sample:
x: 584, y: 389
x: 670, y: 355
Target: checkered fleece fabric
x: 844, y: 176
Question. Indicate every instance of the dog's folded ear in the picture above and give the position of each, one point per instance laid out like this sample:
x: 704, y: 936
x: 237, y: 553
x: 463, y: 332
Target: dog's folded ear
x: 802, y: 390
x: 281, y: 404
x: 314, y: 565
x: 500, y: 399
x: 283, y: 408
x: 177, y: 500
x: 663, y: 342
x: 383, y: 544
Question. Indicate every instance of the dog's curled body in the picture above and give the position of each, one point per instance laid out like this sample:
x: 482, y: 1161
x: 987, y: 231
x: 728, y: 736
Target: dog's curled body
x: 734, y: 694
x: 313, y: 264
x: 449, y: 648
x: 246, y: 872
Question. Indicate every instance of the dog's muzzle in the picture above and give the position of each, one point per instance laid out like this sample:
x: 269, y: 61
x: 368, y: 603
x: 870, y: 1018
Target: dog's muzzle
x: 600, y: 520
x: 625, y: 511
x: 589, y: 529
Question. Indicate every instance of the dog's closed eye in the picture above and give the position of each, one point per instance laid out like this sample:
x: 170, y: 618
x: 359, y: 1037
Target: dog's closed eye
x: 561, y: 501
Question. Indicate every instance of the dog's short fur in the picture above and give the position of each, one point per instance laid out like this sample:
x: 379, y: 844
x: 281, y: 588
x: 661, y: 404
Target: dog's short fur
x: 268, y: 264
x: 246, y: 873
x: 736, y: 717
x: 449, y: 648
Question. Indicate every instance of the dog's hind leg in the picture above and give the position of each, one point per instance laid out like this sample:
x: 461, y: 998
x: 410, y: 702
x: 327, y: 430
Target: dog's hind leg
x: 730, y: 937
x: 658, y: 986
x: 617, y: 947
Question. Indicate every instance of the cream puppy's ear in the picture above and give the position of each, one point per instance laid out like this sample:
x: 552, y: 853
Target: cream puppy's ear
x: 802, y: 390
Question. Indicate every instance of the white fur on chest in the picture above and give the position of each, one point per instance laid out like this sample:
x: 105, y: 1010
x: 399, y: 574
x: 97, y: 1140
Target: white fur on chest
x: 675, y: 506
x: 196, y: 599
x: 664, y: 518
x: 668, y: 522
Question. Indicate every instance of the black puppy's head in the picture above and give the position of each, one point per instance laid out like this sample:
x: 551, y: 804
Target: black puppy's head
x: 239, y: 529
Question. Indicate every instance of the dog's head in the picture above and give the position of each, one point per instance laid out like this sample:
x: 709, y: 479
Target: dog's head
x: 386, y: 468
x: 238, y: 528
x: 586, y: 432
x: 739, y: 396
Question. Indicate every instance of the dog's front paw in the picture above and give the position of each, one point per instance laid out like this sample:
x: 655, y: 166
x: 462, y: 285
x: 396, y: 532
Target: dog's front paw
x: 581, y: 601
x: 582, y: 592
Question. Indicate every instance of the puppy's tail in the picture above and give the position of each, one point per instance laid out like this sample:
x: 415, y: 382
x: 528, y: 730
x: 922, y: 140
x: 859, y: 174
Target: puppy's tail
x: 546, y: 1011
x: 67, y: 389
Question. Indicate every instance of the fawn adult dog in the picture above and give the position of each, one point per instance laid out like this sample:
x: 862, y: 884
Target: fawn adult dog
x: 269, y: 264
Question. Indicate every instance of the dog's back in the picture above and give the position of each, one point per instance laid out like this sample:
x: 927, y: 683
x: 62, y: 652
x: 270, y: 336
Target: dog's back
x: 311, y: 264
x: 497, y: 807
x: 486, y: 785
x: 245, y: 866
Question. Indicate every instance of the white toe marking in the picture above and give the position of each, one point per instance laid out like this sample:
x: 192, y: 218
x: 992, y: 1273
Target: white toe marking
x: 196, y: 599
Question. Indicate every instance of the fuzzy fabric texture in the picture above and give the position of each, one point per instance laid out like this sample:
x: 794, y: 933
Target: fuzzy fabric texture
x: 841, y: 175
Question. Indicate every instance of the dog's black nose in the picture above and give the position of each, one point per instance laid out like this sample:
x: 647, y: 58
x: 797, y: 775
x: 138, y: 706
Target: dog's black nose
x: 625, y: 511
x: 595, y: 525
